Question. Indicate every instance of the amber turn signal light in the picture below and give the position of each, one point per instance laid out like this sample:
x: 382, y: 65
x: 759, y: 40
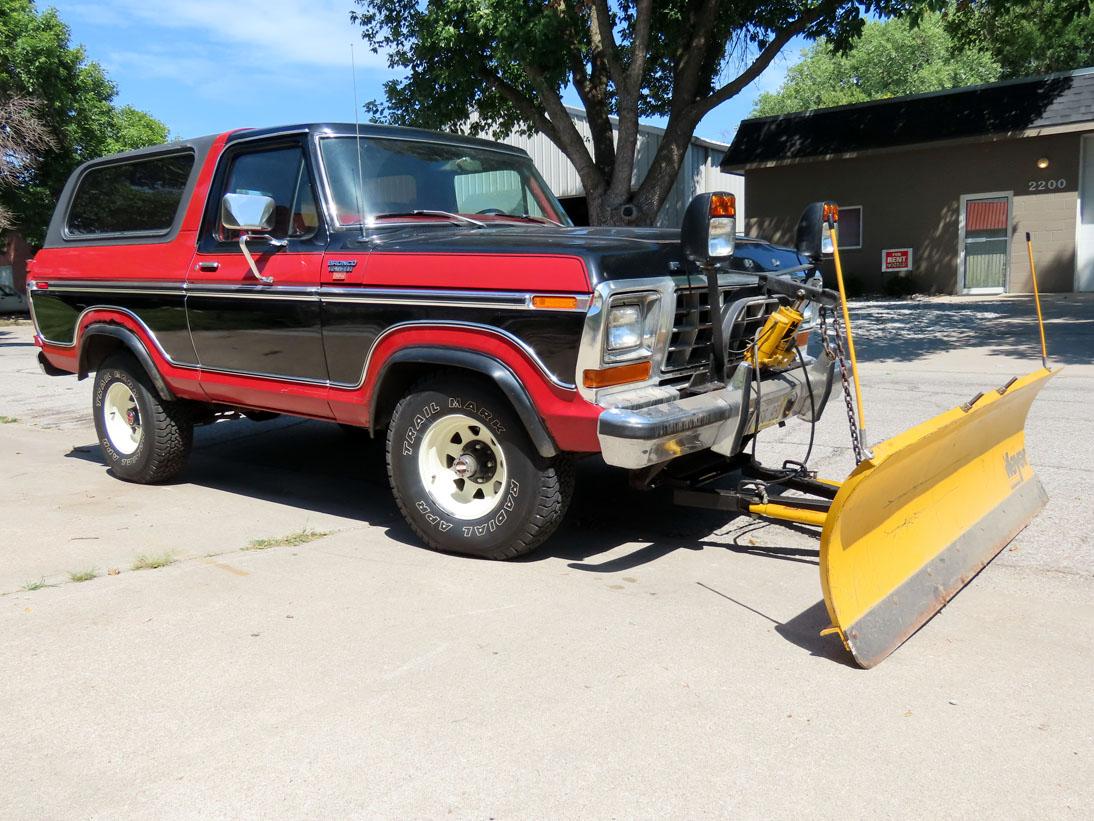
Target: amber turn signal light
x: 619, y: 375
x: 556, y: 302
x: 723, y: 205
x: 831, y: 212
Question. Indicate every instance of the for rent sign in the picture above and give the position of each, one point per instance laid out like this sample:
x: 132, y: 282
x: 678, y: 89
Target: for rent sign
x: 896, y: 259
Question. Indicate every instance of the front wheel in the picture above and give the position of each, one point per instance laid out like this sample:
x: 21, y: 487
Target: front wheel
x: 143, y: 438
x: 465, y: 474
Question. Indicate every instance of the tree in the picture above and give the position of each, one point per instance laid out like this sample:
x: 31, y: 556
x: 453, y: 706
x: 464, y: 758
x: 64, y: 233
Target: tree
x: 495, y: 66
x: 134, y: 128
x: 891, y: 58
x: 1034, y: 37
x: 23, y: 139
x: 74, y: 106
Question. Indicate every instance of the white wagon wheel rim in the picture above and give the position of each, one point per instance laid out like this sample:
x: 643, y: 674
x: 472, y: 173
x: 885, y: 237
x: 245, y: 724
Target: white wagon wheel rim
x: 462, y: 467
x: 122, y: 418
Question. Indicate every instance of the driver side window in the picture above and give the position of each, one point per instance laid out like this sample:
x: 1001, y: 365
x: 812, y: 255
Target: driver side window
x: 280, y: 173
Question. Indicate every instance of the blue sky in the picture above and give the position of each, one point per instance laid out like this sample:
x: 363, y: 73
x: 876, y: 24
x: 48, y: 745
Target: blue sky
x: 205, y: 66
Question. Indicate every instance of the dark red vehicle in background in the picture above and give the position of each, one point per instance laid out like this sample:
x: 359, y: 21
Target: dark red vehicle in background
x: 421, y: 284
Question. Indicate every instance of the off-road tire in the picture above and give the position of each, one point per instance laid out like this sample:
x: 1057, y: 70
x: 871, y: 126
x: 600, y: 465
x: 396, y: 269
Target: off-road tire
x: 537, y: 492
x: 167, y: 430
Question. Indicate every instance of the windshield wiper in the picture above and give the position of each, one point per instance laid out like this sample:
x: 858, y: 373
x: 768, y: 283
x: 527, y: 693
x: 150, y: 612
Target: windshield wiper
x: 545, y: 220
x: 421, y: 212
x: 530, y: 218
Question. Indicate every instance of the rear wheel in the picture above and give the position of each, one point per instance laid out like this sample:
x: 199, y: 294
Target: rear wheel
x: 466, y: 476
x: 143, y: 438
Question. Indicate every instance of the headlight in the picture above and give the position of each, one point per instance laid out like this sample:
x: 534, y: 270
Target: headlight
x: 632, y: 326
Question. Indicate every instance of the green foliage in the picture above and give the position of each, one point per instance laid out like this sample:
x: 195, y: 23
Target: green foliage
x: 497, y: 66
x: 1028, y: 38
x: 134, y: 128
x: 152, y: 561
x: 291, y: 540
x: 892, y: 58
x: 75, y: 104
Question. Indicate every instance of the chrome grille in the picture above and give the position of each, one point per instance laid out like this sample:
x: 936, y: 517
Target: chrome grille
x: 689, y: 344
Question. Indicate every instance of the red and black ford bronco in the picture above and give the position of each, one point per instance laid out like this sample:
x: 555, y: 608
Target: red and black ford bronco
x: 429, y: 286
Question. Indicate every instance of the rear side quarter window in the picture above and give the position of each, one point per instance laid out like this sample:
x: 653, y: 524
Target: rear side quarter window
x: 140, y: 197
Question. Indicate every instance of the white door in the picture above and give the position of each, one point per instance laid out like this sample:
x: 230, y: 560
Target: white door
x: 1084, y: 262
x: 985, y: 243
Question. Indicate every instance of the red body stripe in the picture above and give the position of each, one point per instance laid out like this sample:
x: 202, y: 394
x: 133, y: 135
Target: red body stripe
x: 516, y: 272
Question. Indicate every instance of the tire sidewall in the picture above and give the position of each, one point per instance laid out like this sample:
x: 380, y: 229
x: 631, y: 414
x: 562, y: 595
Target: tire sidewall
x: 133, y: 464
x: 507, y: 521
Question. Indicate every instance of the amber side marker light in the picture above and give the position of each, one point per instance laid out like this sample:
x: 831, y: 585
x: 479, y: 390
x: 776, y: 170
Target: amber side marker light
x: 831, y: 210
x: 620, y: 375
x: 723, y: 205
x: 541, y: 301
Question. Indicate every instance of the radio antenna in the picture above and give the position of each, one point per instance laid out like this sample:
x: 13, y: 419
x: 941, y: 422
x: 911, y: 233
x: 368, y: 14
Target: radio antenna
x: 357, y: 131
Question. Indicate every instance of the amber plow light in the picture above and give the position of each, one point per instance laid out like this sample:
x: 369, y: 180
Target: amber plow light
x: 723, y: 205
x: 554, y: 302
x: 620, y: 375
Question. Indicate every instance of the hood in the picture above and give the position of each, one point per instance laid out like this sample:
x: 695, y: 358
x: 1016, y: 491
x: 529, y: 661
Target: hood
x: 608, y: 253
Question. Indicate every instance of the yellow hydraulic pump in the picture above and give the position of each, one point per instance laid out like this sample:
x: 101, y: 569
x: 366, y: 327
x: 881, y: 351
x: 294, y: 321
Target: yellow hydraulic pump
x: 774, y: 347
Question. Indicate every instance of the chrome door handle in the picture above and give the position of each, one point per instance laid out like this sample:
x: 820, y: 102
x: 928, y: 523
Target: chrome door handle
x: 208, y: 266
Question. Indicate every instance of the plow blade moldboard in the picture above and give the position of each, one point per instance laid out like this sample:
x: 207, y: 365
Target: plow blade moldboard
x: 922, y: 516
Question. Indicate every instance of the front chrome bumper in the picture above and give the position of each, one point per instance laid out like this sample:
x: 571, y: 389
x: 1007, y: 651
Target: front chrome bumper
x: 637, y: 437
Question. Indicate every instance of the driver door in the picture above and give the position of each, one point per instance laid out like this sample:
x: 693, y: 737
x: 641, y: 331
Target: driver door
x: 251, y: 336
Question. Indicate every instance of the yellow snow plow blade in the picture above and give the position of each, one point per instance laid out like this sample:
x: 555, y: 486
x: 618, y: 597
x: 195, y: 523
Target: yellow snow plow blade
x: 924, y: 514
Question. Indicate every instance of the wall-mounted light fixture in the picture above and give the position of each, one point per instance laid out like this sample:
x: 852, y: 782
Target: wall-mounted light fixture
x: 1042, y: 163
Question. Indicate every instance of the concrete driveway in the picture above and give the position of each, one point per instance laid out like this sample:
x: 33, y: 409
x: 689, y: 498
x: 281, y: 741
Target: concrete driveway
x: 647, y: 661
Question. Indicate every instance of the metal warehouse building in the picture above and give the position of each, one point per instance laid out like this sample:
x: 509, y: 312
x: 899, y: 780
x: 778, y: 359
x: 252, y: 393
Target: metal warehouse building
x: 945, y: 184
x: 700, y: 171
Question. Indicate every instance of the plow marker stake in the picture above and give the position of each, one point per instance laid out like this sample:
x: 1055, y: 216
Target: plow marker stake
x: 924, y: 514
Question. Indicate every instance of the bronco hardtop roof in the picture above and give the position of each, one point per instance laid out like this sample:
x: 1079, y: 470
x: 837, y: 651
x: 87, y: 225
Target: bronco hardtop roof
x: 203, y: 143
x: 373, y: 130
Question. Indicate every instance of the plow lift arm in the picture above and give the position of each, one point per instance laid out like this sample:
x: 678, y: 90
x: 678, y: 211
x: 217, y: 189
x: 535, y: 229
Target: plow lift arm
x: 921, y: 514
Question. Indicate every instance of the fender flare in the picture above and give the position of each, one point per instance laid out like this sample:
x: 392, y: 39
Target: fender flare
x: 493, y: 369
x: 134, y: 345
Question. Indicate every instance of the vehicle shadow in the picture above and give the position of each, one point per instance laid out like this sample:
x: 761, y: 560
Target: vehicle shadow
x: 319, y: 467
x: 311, y: 465
x: 15, y: 342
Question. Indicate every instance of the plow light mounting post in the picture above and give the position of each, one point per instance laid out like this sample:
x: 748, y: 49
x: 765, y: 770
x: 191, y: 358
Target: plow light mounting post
x: 708, y: 234
x: 1037, y: 301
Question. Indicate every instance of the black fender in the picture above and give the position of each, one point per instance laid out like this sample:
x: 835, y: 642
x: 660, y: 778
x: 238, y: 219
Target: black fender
x: 133, y: 344
x: 493, y: 369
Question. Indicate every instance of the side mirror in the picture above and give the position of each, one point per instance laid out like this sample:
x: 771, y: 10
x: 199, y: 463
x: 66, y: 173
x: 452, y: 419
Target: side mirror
x: 250, y: 213
x: 818, y: 221
x: 709, y: 229
x: 253, y: 216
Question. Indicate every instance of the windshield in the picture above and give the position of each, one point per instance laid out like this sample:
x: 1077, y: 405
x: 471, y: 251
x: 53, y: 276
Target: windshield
x: 401, y: 177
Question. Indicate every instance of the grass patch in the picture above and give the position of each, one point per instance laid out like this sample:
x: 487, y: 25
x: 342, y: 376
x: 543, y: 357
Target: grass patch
x: 83, y: 575
x: 291, y: 540
x: 8, y: 420
x: 38, y: 585
x: 153, y: 561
